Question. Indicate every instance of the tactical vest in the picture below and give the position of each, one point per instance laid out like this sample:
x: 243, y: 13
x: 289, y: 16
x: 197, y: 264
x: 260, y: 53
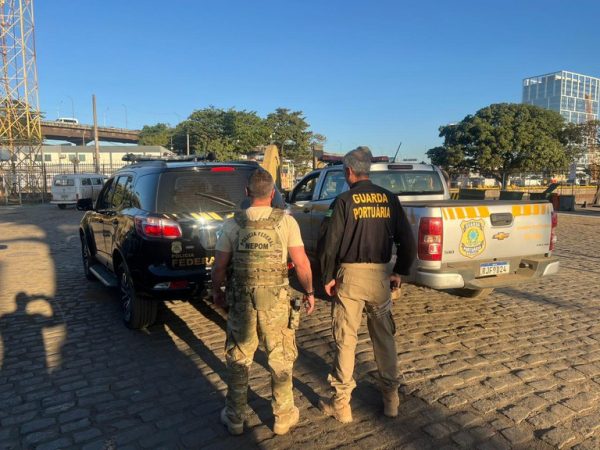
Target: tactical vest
x: 258, y: 252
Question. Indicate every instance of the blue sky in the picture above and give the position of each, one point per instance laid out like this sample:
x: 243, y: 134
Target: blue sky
x: 364, y: 73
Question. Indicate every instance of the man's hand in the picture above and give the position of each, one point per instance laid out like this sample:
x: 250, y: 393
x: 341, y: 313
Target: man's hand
x: 309, y: 303
x: 395, y: 281
x: 331, y: 288
x: 219, y: 298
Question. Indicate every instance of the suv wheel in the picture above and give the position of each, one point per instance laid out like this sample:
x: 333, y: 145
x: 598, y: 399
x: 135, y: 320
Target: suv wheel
x: 138, y: 311
x: 86, y: 258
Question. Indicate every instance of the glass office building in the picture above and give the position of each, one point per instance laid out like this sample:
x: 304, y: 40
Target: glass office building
x: 576, y: 97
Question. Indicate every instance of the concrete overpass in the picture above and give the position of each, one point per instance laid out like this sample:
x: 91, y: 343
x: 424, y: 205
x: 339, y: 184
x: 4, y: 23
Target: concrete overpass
x: 82, y: 134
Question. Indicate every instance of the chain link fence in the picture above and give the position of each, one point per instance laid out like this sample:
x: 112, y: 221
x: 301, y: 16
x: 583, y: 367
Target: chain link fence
x: 15, y: 185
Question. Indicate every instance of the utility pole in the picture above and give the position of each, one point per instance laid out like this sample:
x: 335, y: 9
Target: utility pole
x: 187, y: 138
x: 96, y: 143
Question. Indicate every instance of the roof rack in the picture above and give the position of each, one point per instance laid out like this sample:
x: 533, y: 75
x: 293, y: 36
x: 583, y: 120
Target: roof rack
x: 184, y: 158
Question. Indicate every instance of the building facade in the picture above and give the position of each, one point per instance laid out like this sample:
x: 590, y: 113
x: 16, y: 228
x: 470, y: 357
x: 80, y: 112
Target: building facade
x: 575, y: 96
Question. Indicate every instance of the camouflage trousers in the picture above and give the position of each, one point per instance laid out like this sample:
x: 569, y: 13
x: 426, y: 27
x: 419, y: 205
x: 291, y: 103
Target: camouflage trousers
x: 246, y: 326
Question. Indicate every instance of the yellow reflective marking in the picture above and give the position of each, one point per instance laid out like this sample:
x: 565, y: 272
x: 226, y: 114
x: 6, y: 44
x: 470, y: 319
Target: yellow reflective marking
x: 483, y: 211
x: 444, y: 215
x: 516, y: 210
x: 195, y: 216
x: 536, y: 209
x: 471, y: 212
x: 451, y: 213
x: 527, y: 210
x: 215, y: 216
x: 460, y: 213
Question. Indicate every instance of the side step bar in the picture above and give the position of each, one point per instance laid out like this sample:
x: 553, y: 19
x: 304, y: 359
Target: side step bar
x: 106, y: 277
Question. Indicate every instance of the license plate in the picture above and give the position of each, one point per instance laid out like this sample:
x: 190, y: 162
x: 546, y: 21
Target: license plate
x: 64, y: 196
x: 494, y: 268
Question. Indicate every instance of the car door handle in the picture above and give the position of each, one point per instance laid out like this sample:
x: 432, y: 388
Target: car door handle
x: 306, y: 210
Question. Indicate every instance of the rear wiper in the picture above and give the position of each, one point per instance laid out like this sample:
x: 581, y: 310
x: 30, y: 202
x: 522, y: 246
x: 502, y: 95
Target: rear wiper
x: 216, y: 199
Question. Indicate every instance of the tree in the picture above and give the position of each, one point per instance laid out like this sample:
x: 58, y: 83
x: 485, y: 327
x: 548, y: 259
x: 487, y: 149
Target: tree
x: 159, y: 134
x: 245, y: 130
x: 204, y: 128
x: 505, y: 138
x: 289, y: 131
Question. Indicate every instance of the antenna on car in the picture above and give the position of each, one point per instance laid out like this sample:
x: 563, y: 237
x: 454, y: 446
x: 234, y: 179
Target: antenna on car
x: 397, y: 150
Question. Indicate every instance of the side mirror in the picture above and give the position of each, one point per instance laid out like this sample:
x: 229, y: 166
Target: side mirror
x: 85, y: 204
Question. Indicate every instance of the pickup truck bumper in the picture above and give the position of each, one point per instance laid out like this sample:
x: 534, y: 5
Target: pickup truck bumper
x: 466, y: 275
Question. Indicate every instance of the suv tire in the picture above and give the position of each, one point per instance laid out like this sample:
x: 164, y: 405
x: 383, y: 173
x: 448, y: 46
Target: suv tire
x: 86, y: 258
x: 138, y: 311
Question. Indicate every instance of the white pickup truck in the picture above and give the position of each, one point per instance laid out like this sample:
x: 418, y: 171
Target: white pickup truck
x: 467, y: 246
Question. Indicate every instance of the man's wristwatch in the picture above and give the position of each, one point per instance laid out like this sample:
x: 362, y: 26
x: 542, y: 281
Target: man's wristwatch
x: 308, y: 294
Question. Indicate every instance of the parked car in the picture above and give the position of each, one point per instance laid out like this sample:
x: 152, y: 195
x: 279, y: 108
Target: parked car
x: 470, y: 246
x: 153, y: 229
x: 68, y: 189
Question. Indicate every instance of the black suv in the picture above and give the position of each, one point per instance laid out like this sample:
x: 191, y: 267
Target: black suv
x: 153, y: 230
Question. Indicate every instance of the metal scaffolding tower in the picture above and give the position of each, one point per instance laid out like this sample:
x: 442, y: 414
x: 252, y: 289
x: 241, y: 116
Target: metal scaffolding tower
x: 21, y: 162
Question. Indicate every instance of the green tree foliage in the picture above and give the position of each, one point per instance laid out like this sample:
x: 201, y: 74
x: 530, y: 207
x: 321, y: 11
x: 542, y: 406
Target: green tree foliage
x: 159, y: 134
x: 507, y: 138
x: 289, y: 131
x: 232, y: 133
x: 245, y: 130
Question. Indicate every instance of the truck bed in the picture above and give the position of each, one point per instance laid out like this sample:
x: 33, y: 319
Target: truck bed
x: 450, y: 202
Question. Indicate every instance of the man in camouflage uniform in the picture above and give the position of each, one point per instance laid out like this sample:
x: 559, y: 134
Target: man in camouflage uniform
x: 251, y: 259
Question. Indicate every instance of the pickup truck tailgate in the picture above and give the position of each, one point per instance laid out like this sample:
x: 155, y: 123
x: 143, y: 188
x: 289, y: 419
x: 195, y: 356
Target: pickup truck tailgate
x: 498, y: 230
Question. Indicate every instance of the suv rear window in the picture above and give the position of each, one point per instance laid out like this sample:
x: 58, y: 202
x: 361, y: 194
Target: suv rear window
x: 412, y: 182
x: 186, y: 191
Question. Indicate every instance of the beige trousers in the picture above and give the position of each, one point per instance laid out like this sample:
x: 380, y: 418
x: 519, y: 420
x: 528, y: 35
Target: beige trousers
x: 362, y: 285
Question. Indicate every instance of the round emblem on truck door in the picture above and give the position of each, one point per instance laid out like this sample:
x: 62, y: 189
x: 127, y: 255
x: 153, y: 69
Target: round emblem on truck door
x: 176, y: 247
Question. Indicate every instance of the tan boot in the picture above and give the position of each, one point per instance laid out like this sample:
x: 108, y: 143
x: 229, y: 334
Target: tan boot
x: 235, y: 427
x: 339, y: 411
x: 391, y: 401
x: 284, y: 422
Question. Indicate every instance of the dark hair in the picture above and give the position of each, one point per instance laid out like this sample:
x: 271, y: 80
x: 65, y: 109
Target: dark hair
x: 260, y: 184
x: 359, y: 160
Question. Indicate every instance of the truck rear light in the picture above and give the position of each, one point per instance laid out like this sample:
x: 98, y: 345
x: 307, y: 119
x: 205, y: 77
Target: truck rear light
x: 431, y: 238
x: 553, y: 238
x: 157, y: 227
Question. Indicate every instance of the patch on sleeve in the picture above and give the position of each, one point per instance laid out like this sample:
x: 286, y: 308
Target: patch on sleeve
x: 329, y: 213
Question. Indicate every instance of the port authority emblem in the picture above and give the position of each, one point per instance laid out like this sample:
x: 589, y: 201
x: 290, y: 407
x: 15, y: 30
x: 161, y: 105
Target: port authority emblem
x: 472, y: 241
x: 501, y: 236
x: 176, y: 247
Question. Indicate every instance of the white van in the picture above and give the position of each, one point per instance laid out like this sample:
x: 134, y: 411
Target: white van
x: 67, y: 188
x: 70, y: 120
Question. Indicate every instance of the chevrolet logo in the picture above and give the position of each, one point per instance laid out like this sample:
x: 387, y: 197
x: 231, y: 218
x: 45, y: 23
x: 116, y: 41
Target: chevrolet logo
x: 501, y: 236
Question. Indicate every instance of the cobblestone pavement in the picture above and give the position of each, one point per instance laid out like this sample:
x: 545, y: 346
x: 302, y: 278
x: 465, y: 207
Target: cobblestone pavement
x: 520, y: 369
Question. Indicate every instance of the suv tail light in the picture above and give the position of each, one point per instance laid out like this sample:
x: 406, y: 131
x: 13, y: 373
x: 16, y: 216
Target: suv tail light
x: 156, y: 227
x: 430, y: 239
x: 553, y: 238
x: 222, y: 169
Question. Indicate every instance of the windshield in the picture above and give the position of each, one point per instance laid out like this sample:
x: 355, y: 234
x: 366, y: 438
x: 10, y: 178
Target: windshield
x: 414, y: 182
x: 189, y: 191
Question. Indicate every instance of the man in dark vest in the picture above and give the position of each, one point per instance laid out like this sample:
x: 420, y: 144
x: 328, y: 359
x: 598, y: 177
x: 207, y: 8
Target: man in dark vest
x: 251, y: 259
